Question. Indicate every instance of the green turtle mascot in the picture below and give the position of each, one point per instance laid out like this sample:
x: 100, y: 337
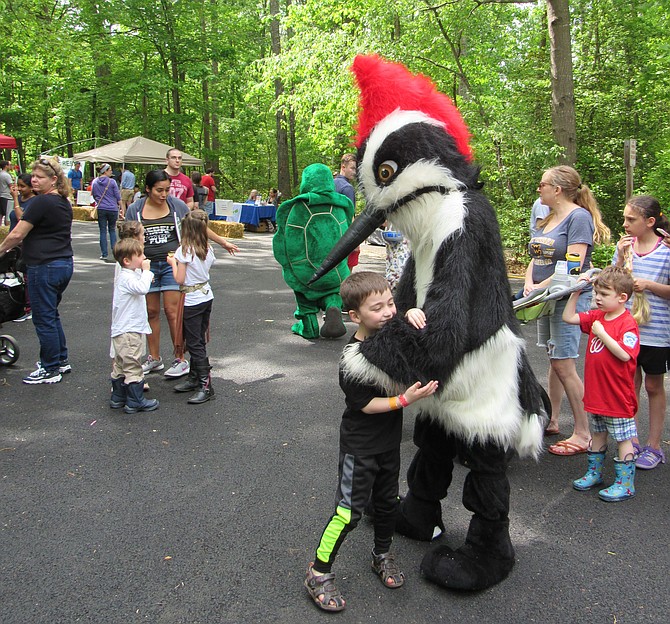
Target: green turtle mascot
x: 308, y: 226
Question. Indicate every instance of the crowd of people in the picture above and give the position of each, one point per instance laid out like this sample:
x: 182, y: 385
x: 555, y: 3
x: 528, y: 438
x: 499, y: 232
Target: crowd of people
x: 625, y: 346
x: 41, y: 225
x: 564, y: 220
x: 572, y: 225
x: 164, y: 252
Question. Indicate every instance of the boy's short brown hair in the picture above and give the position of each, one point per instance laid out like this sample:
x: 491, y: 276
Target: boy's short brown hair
x: 127, y: 248
x: 615, y: 278
x: 359, y: 286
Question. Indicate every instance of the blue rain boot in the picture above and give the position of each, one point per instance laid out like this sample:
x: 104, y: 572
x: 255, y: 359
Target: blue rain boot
x: 136, y: 401
x: 624, y: 485
x: 118, y: 398
x: 594, y: 472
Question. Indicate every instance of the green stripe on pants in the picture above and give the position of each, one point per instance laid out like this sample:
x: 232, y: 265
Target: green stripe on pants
x: 332, y: 533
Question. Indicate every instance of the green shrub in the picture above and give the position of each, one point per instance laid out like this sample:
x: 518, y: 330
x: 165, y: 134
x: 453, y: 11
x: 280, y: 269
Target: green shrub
x: 602, y: 255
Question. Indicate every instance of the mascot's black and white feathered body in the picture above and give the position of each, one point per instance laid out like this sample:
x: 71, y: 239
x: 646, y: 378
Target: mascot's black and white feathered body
x: 415, y: 169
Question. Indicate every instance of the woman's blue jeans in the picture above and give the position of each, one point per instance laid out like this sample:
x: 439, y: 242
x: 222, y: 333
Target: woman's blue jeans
x: 46, y: 284
x: 107, y: 222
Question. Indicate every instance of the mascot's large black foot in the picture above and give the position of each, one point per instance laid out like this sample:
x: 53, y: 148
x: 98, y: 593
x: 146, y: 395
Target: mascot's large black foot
x: 419, y: 520
x: 486, y: 558
x: 333, y: 327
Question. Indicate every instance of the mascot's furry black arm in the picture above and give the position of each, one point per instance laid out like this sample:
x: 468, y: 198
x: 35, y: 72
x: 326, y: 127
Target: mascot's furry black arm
x: 415, y: 169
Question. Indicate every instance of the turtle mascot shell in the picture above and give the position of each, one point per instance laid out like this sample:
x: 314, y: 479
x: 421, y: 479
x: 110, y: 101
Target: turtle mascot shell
x: 307, y: 228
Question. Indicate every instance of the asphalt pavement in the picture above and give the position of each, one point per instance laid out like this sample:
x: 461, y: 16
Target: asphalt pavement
x: 210, y: 513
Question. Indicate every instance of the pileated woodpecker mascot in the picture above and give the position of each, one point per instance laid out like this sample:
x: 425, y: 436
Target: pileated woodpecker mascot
x: 416, y: 170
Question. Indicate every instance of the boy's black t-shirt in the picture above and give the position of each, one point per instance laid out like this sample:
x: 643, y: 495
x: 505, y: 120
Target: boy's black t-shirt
x: 367, y: 434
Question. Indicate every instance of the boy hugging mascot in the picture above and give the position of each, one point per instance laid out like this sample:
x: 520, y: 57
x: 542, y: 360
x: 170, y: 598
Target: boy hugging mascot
x: 416, y: 170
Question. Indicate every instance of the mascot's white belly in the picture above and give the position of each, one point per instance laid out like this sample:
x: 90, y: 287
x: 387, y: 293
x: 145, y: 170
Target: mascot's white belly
x: 479, y: 403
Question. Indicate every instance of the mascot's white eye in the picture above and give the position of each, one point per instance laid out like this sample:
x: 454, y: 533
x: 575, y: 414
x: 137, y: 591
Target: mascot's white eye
x: 386, y: 171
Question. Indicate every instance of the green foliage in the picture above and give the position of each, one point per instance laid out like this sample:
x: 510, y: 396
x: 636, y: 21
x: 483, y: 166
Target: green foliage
x: 200, y: 74
x: 602, y: 255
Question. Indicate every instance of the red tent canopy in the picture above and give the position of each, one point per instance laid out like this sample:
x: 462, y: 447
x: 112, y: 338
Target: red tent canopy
x: 7, y: 142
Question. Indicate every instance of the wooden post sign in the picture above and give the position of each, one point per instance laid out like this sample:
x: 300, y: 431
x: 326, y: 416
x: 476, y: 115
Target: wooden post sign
x: 629, y: 157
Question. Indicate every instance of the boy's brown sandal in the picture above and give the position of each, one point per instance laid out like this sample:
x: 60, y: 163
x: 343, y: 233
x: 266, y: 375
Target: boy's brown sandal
x: 323, y: 585
x: 387, y: 569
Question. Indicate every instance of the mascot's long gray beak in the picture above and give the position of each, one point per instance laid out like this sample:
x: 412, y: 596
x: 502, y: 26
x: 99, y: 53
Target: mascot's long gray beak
x: 363, y: 225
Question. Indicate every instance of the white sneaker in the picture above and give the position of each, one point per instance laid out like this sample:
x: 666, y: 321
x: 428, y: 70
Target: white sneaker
x: 179, y: 368
x: 152, y: 365
x: 64, y: 367
x: 26, y: 317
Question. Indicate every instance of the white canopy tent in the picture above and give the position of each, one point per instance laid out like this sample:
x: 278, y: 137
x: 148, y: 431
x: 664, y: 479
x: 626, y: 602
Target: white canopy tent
x: 137, y: 150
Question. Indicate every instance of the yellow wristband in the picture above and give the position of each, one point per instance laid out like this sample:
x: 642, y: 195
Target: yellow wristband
x: 394, y: 403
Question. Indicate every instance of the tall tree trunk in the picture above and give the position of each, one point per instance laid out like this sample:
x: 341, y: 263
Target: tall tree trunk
x: 68, y: 135
x: 176, y: 101
x: 214, y: 120
x: 216, y: 135
x: 20, y: 148
x: 106, y: 120
x: 294, y: 150
x: 562, y: 83
x: 291, y: 125
x: 100, y: 31
x: 145, y: 99
x: 45, y: 117
x: 283, y: 176
x: 206, y: 104
x: 206, y: 119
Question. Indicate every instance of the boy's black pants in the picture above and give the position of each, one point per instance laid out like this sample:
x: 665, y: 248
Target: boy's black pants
x: 360, y: 476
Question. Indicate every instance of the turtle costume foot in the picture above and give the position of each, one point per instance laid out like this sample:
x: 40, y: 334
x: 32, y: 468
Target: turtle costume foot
x: 307, y: 327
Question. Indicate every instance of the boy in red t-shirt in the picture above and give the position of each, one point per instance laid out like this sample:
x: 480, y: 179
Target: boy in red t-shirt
x: 609, y: 379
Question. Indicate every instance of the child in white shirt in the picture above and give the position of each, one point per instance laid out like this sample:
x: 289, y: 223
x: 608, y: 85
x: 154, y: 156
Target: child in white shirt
x: 130, y: 325
x: 190, y: 266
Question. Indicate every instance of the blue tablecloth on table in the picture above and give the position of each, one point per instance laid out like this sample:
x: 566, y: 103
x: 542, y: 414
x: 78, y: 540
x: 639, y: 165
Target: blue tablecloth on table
x: 252, y: 214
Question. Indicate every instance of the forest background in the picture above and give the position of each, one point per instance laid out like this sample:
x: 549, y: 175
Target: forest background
x: 260, y: 89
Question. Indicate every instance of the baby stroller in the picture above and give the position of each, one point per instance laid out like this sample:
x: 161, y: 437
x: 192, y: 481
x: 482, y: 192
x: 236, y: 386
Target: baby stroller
x: 12, y: 303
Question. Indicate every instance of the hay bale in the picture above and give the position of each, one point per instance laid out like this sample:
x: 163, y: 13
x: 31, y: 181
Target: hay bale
x: 81, y: 213
x: 4, y: 230
x: 227, y: 229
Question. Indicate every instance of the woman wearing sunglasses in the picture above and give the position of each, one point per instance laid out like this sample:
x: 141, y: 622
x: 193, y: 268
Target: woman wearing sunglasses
x: 45, y: 232
x: 573, y: 225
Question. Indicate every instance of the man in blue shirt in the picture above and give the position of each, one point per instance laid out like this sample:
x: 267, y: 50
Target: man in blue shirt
x: 75, y: 175
x: 343, y: 185
x: 127, y: 188
x: 347, y: 174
